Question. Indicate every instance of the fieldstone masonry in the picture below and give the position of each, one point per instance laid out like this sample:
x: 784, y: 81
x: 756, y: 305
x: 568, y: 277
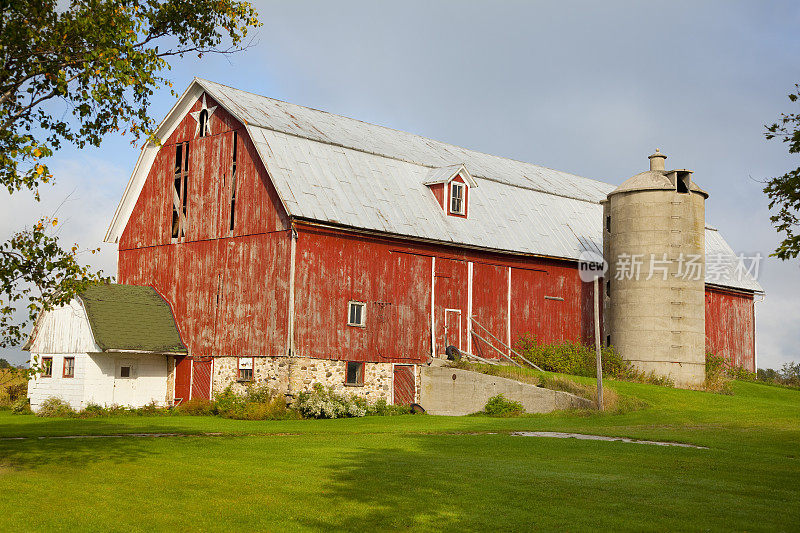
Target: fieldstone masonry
x: 292, y: 375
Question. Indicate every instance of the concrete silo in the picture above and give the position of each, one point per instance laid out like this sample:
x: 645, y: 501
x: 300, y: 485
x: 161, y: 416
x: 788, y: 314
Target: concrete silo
x: 654, y: 243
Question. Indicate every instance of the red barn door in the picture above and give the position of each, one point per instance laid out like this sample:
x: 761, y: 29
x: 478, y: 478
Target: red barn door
x: 183, y: 378
x: 201, y: 378
x: 404, y: 389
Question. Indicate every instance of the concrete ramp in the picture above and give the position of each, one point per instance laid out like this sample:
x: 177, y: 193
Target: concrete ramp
x: 454, y: 392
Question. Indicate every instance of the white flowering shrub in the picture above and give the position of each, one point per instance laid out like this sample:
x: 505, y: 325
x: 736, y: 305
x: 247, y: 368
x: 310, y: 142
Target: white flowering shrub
x: 322, y: 402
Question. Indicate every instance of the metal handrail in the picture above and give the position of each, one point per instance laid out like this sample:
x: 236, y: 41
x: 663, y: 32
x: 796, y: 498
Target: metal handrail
x: 501, y: 342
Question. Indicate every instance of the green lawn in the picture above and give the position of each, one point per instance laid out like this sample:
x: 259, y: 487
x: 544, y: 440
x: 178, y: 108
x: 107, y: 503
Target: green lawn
x: 417, y: 472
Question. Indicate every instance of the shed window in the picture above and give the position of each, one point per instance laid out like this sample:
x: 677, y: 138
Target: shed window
x: 457, y: 198
x: 245, y: 369
x: 355, y: 373
x: 69, y: 367
x: 125, y: 371
x: 47, y: 367
x: 356, y: 314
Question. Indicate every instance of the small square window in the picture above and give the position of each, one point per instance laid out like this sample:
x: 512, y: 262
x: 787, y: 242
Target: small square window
x: 245, y: 369
x: 124, y: 371
x: 457, y: 198
x: 69, y: 367
x: 355, y: 314
x: 355, y: 373
x: 47, y: 367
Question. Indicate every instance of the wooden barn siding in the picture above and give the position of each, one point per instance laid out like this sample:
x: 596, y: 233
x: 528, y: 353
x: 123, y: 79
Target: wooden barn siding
x: 229, y: 294
x: 336, y: 266
x: 730, y: 326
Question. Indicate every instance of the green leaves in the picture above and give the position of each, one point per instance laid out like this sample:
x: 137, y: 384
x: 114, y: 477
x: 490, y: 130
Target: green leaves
x: 76, y: 75
x: 784, y: 191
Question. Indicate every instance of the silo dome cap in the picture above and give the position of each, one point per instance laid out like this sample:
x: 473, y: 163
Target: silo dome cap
x: 655, y: 179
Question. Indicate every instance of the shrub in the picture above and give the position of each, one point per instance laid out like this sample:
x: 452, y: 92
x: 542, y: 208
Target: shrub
x: 21, y: 407
x: 258, y: 402
x: 196, y: 407
x: 16, y: 391
x: 382, y: 408
x: 323, y: 402
x: 55, y: 408
x: 93, y: 410
x: 579, y: 360
x: 500, y: 406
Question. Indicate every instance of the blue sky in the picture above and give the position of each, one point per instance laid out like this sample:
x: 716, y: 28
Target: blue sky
x: 586, y: 87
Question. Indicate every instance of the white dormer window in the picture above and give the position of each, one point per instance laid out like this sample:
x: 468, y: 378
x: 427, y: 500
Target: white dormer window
x: 457, y: 198
x: 451, y: 187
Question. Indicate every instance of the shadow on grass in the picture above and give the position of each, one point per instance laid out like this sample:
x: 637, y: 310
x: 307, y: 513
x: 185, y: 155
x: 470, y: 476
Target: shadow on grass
x: 77, y: 453
x: 390, y: 488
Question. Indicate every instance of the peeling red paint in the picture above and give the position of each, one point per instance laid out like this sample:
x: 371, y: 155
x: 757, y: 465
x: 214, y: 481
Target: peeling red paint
x: 730, y: 326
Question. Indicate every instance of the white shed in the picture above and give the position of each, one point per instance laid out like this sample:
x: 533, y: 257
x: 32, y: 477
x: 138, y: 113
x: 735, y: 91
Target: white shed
x: 111, y: 345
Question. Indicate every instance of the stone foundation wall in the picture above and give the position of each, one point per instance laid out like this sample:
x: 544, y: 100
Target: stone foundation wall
x: 270, y: 371
x: 305, y: 372
x: 292, y: 375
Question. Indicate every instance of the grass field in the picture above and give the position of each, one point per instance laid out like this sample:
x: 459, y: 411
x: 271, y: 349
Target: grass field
x: 416, y: 472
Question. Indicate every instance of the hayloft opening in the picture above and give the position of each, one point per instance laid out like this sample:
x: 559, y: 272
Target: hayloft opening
x: 180, y: 191
x: 233, y: 187
x: 683, y: 185
x: 203, y: 122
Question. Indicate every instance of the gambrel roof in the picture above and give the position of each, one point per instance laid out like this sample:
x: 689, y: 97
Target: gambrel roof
x: 342, y: 171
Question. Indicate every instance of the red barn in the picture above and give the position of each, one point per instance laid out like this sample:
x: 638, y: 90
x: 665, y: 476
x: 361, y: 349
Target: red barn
x: 296, y: 247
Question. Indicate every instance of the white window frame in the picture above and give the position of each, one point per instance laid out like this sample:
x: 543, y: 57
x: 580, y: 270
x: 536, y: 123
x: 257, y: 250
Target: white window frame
x: 462, y: 199
x: 363, y: 322
x: 245, y: 363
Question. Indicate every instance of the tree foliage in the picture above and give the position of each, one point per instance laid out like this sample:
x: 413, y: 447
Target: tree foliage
x: 74, y: 74
x: 784, y: 191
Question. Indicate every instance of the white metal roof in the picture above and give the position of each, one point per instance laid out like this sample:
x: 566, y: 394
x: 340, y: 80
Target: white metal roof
x: 340, y: 170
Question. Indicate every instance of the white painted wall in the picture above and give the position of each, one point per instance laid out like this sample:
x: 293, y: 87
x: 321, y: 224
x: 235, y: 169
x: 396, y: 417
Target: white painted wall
x: 65, y: 331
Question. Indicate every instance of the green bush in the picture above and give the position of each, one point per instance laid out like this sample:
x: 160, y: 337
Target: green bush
x: 382, y: 408
x: 574, y: 358
x: 500, y: 406
x: 16, y: 391
x: 258, y: 402
x: 55, y: 408
x: 196, y: 407
x: 21, y: 407
x: 323, y: 402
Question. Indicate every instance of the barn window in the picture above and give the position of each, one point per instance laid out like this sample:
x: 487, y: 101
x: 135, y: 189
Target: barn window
x: 457, y: 198
x: 69, y: 367
x: 125, y: 371
x: 355, y: 315
x: 180, y: 200
x: 47, y: 367
x: 245, y: 369
x: 203, y: 122
x: 355, y: 373
x: 233, y: 186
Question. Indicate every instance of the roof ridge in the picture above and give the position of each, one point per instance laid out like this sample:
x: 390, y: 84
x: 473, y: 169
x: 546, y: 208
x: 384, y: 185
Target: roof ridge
x: 203, y: 80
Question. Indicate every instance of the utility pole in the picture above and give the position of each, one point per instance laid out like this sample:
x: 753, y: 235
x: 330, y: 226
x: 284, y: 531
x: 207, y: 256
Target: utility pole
x: 597, y: 344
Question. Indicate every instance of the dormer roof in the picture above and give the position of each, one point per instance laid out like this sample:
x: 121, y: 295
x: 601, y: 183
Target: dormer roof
x: 446, y: 174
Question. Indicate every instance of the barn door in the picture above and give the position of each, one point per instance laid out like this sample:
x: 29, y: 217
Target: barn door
x: 404, y: 385
x: 201, y: 378
x: 125, y: 382
x: 452, y: 328
x: 183, y: 378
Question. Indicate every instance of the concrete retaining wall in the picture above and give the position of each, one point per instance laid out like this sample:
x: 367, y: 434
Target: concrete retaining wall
x: 454, y: 392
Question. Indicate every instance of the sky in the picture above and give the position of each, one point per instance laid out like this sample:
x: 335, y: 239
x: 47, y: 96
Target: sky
x: 589, y: 87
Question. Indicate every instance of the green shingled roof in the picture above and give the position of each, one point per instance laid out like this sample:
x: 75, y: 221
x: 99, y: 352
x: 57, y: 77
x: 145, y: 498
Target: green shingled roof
x: 131, y: 317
